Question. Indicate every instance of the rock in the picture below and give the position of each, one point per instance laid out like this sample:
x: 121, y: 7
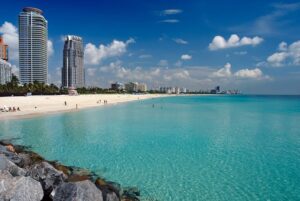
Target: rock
x: 112, y: 197
x: 25, y: 160
x: 77, y: 191
x: 47, y: 175
x: 9, y: 166
x: 19, y: 188
x: 131, y: 194
x: 108, y: 188
x: 10, y: 148
x: 13, y: 157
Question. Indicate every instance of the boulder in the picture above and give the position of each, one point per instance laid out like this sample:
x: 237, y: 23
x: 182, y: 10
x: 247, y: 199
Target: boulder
x: 10, y: 155
x: 131, y: 194
x: 19, y: 188
x: 9, y: 166
x: 77, y: 191
x: 107, y: 188
x: 112, y: 197
x: 47, y: 175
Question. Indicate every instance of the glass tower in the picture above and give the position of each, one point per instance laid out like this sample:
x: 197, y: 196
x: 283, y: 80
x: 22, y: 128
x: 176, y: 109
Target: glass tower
x: 33, y: 37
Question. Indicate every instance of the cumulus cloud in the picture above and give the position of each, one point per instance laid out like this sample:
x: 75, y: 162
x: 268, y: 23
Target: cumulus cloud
x: 163, y: 63
x: 286, y: 55
x: 180, y: 41
x: 50, y: 49
x: 246, y: 73
x: 226, y: 72
x: 186, y: 57
x: 223, y: 72
x: 11, y: 38
x: 171, y: 12
x: 94, y: 55
x: 219, y: 42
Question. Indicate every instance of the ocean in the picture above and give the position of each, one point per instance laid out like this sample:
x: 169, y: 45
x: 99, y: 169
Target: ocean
x: 179, y: 148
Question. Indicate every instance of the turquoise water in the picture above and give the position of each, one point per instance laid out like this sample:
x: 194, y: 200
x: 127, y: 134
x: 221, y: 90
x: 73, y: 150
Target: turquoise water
x: 183, y: 148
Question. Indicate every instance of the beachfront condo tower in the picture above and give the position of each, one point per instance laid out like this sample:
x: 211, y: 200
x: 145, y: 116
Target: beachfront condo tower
x: 73, y: 71
x: 33, y: 37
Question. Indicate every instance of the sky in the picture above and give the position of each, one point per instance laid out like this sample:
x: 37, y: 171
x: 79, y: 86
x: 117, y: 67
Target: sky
x: 253, y: 46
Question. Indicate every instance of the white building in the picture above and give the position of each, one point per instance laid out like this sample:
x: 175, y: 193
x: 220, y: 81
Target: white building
x: 33, y: 38
x: 5, y: 72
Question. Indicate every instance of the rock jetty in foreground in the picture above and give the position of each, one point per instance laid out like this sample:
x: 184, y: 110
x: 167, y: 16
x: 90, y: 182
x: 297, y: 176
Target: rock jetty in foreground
x: 26, y: 176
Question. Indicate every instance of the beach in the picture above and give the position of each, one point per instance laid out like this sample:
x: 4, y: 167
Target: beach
x: 38, y: 105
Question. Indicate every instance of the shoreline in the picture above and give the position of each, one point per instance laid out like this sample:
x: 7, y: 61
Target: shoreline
x: 34, y: 106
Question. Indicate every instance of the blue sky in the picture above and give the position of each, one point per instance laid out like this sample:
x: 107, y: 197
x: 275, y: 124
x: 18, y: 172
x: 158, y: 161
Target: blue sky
x: 251, y: 45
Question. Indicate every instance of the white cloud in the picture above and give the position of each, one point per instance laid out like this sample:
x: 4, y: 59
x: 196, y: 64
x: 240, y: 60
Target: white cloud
x: 226, y: 73
x: 234, y: 40
x: 94, y: 55
x: 163, y: 63
x: 91, y: 71
x: 287, y: 55
x: 145, y: 56
x: 171, y: 12
x: 246, y: 73
x: 241, y: 53
x: 186, y: 57
x: 50, y: 49
x: 171, y: 21
x: 180, y: 41
x: 223, y: 72
x: 11, y: 38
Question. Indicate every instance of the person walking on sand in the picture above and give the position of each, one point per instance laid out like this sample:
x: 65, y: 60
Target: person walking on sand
x: 65, y: 103
x: 76, y: 106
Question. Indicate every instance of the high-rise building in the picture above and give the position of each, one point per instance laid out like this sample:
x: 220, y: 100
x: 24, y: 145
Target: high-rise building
x: 3, y: 49
x: 5, y: 67
x: 73, y: 71
x: 33, y: 37
x: 5, y: 72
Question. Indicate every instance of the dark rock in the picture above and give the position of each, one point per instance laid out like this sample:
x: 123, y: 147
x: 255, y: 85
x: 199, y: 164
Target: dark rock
x: 25, y: 160
x: 19, y: 188
x: 131, y: 194
x: 108, y: 187
x: 112, y: 197
x: 47, y: 175
x: 12, y: 168
x: 13, y: 157
x: 77, y: 191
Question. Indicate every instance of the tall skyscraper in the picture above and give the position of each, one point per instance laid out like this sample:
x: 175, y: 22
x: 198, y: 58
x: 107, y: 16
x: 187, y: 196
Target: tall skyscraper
x: 33, y: 37
x: 5, y: 67
x: 73, y: 71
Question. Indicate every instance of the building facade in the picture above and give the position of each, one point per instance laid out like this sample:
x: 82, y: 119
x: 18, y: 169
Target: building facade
x: 73, y: 74
x: 5, y: 72
x: 33, y: 37
x: 5, y: 67
x: 3, y: 49
x: 117, y: 86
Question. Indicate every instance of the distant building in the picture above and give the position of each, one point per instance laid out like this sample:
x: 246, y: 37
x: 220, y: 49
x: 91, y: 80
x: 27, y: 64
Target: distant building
x: 142, y: 87
x: 5, y: 67
x: 73, y: 71
x: 177, y: 90
x: 5, y: 72
x: 117, y: 86
x: 131, y: 87
x: 3, y: 50
x: 33, y: 38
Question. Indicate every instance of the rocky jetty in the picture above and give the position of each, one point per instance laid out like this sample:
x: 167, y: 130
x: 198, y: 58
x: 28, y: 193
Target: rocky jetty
x: 26, y: 176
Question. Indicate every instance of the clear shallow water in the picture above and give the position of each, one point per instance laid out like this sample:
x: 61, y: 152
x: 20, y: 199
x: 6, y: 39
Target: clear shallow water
x: 185, y: 148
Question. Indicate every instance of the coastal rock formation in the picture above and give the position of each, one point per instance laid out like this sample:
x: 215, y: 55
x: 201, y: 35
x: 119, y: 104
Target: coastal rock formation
x: 19, y: 188
x: 26, y: 176
x: 47, y: 175
x: 9, y: 166
x: 77, y: 191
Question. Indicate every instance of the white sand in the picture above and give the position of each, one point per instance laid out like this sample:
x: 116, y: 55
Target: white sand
x: 39, y: 105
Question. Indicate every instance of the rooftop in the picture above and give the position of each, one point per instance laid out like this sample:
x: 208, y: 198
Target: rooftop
x: 31, y: 9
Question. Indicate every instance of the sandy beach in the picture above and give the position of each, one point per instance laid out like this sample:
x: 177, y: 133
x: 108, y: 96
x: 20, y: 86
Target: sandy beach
x: 39, y: 105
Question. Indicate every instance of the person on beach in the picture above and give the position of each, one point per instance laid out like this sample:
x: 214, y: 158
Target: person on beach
x: 76, y: 106
x: 65, y: 103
